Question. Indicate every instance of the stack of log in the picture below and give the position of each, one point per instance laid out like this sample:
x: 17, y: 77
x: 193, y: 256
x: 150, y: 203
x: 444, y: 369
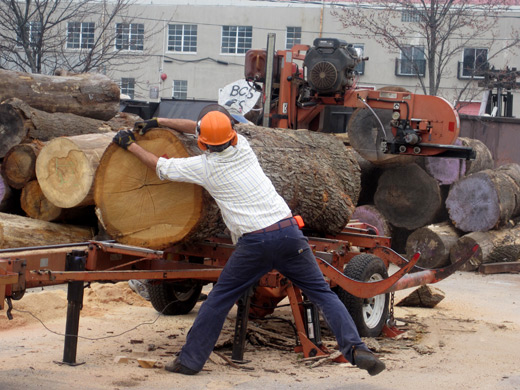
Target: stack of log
x: 441, y: 207
x: 39, y: 115
x: 60, y: 164
x: 62, y: 175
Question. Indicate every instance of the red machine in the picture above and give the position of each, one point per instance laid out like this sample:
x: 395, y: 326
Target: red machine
x: 178, y: 274
x: 311, y: 87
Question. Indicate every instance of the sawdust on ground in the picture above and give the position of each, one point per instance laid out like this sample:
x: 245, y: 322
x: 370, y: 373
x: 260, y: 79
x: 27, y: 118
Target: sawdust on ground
x: 469, y: 341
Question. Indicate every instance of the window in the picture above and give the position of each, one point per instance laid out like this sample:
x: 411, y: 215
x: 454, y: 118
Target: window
x: 360, y: 50
x: 182, y: 38
x: 80, y: 35
x: 32, y: 33
x: 294, y: 37
x: 129, y: 36
x: 474, y: 60
x: 411, y: 15
x: 180, y: 89
x: 412, y: 62
x: 128, y: 87
x: 236, y: 39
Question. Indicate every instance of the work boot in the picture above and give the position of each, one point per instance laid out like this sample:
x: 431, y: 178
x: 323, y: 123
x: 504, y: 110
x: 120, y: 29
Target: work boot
x: 178, y: 368
x: 366, y: 360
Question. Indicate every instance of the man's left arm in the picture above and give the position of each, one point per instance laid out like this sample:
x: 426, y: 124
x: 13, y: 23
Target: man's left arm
x: 126, y: 140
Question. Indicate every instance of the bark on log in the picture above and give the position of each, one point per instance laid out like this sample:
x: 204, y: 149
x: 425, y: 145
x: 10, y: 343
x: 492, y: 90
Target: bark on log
x: 314, y: 172
x: 494, y: 246
x: 88, y: 94
x: 365, y: 136
x: 434, y: 242
x: 19, y: 166
x: 370, y: 214
x: 21, y: 123
x: 66, y: 168
x: 424, y: 296
x: 449, y: 170
x: 408, y: 197
x: 485, y: 200
x: 18, y: 232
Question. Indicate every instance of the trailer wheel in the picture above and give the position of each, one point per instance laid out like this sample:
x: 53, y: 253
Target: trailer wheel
x: 370, y: 314
x: 173, y: 298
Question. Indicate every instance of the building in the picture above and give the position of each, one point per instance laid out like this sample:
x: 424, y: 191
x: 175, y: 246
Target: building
x: 188, y: 49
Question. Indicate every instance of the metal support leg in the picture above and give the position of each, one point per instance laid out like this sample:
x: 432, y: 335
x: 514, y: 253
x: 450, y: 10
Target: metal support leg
x: 239, y: 340
x: 75, y: 262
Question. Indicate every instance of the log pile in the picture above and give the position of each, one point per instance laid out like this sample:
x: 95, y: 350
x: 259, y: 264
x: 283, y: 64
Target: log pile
x: 442, y: 207
x: 40, y: 113
x: 59, y: 164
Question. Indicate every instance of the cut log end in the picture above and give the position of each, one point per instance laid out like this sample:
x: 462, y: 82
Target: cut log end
x: 66, y: 168
x: 168, y: 210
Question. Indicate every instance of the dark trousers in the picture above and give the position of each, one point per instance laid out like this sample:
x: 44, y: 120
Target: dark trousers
x: 287, y: 251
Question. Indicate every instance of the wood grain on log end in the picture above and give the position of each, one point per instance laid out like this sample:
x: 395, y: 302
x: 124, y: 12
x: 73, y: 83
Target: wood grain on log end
x: 19, y: 166
x: 135, y: 206
x: 485, y: 200
x: 36, y: 205
x: 370, y: 214
x: 408, y: 197
x: 66, y: 167
x: 434, y: 242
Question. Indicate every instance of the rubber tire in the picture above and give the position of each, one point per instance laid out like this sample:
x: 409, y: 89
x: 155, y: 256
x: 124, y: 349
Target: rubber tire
x: 365, y: 267
x: 174, y: 298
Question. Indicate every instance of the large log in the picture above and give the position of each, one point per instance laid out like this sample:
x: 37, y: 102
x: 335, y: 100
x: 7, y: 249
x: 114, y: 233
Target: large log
x: 408, y: 197
x: 434, y: 242
x: 18, y: 232
x: 485, y: 200
x: 449, y: 170
x: 494, y: 246
x: 19, y: 166
x: 88, y: 94
x: 314, y: 172
x: 21, y: 123
x: 66, y: 167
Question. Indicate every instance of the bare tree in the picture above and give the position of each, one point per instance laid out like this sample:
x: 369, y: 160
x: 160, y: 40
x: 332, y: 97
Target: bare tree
x: 41, y: 36
x: 444, y: 28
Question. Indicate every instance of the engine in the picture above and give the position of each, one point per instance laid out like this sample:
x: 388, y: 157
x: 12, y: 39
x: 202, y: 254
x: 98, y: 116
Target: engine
x: 330, y: 64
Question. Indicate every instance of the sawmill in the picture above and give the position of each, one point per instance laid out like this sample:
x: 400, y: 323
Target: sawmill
x: 76, y: 209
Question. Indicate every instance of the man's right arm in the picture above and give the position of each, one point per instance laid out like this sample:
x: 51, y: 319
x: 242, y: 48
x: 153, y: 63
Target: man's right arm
x: 182, y: 125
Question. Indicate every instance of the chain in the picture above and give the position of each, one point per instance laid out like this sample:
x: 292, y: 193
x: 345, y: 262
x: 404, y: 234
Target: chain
x: 391, y: 319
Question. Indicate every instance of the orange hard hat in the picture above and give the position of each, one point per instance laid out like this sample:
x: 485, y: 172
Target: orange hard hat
x: 215, y: 128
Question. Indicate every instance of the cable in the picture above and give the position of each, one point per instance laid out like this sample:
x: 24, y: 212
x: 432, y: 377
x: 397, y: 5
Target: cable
x: 95, y: 338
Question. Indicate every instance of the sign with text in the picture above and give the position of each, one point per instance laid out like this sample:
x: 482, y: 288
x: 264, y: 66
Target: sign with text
x: 238, y: 97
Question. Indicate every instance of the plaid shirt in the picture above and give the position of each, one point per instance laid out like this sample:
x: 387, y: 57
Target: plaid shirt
x: 246, y: 197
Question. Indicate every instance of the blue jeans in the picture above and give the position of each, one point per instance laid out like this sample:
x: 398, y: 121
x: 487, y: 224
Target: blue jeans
x: 286, y: 250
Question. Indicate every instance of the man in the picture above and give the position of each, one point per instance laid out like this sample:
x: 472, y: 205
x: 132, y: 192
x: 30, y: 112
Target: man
x: 267, y: 237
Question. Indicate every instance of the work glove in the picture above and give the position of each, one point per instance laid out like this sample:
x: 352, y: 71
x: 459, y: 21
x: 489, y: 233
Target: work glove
x: 144, y: 126
x: 124, y: 138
